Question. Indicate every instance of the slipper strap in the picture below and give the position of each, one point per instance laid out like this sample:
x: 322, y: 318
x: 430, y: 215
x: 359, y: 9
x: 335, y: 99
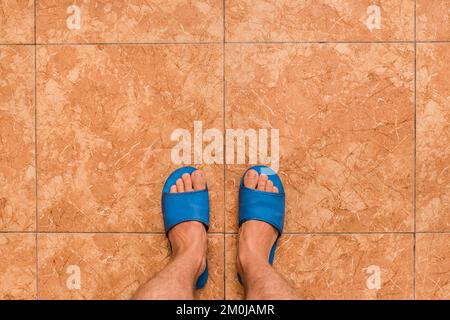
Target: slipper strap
x: 186, y: 206
x: 260, y: 205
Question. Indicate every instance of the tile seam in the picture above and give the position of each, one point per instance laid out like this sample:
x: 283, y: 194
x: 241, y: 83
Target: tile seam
x: 415, y: 150
x: 224, y: 155
x: 217, y: 233
x: 221, y: 232
x: 222, y: 42
x: 35, y: 154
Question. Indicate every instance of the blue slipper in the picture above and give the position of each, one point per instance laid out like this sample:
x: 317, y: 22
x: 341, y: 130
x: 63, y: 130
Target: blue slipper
x: 185, y: 206
x: 263, y: 206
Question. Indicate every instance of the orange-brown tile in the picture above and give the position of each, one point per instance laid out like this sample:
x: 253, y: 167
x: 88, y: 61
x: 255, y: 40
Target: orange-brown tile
x: 106, y: 115
x: 433, y: 20
x: 346, y: 132
x: 17, y: 171
x: 16, y: 21
x: 131, y: 21
x: 433, y: 137
x: 293, y: 20
x: 17, y: 266
x: 338, y: 266
x: 433, y: 266
x: 112, y: 266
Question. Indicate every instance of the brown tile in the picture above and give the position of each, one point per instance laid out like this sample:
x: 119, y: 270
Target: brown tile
x: 17, y: 266
x: 433, y: 266
x: 106, y: 115
x: 338, y: 266
x: 17, y: 171
x: 139, y: 21
x: 16, y: 21
x: 112, y: 266
x: 433, y: 20
x: 293, y: 20
x: 433, y: 136
x: 345, y: 113
x: 234, y: 289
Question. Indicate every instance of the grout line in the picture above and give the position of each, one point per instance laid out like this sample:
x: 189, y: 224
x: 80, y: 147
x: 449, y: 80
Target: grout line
x: 129, y: 43
x: 322, y: 42
x: 224, y: 163
x: 222, y: 42
x: 334, y: 42
x: 415, y: 150
x: 230, y: 232
x: 225, y: 42
x: 16, y: 44
x: 432, y: 41
x: 35, y: 156
x: 346, y: 233
x: 150, y: 233
x: 433, y: 232
x: 226, y: 233
x: 338, y: 42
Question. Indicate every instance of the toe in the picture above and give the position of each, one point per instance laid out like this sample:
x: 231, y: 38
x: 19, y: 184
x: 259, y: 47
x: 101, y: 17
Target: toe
x: 180, y: 185
x: 198, y: 180
x: 262, y: 182
x: 173, y: 189
x: 187, y: 182
x: 251, y: 179
x: 269, y: 186
x: 275, y: 189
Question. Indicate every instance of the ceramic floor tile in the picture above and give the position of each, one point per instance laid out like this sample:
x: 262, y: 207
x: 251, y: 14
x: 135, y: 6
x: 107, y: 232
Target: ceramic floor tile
x: 131, y: 21
x: 433, y: 266
x: 433, y: 20
x: 89, y: 266
x: 16, y: 21
x: 17, y: 171
x: 17, y: 266
x: 433, y: 136
x: 338, y: 267
x: 344, y: 114
x: 343, y: 20
x: 106, y: 115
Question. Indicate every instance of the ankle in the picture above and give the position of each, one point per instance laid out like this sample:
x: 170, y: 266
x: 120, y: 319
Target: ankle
x: 189, y: 243
x: 250, y: 256
x: 193, y: 260
x: 256, y: 239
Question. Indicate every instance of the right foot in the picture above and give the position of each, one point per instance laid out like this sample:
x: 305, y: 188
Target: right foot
x: 256, y: 238
x: 189, y: 238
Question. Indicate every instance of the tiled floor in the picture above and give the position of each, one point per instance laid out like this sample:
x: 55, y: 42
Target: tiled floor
x: 88, y: 107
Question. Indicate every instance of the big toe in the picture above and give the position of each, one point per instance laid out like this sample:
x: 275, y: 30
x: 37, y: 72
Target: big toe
x: 251, y: 179
x: 198, y: 180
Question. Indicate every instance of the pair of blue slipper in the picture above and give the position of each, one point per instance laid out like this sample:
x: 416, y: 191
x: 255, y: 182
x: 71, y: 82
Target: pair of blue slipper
x: 253, y: 205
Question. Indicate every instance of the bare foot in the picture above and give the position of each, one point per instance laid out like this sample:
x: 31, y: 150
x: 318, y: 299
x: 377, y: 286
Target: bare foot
x: 256, y: 238
x: 189, y: 239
